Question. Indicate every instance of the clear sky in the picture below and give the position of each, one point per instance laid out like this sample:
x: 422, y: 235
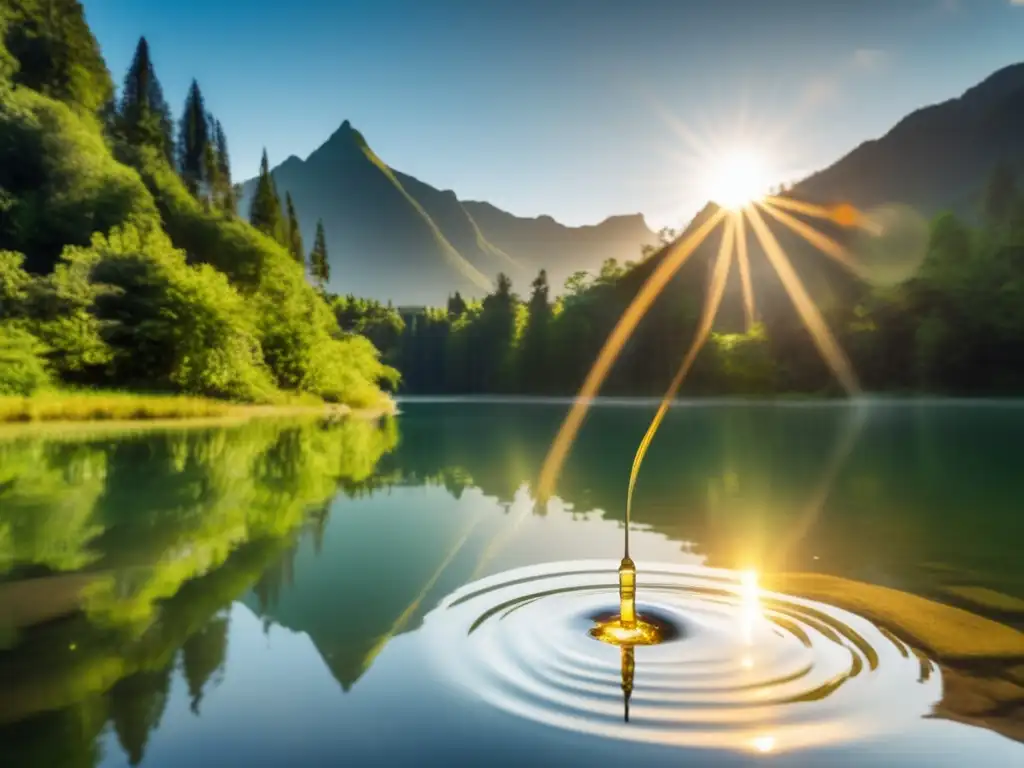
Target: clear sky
x: 561, y: 107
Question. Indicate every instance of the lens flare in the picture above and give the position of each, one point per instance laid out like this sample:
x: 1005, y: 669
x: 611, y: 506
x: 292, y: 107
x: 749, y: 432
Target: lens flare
x: 737, y: 178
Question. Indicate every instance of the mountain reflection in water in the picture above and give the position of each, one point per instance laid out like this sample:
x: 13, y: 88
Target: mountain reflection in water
x: 132, y: 564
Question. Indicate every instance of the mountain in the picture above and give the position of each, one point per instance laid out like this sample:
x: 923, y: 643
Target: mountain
x: 936, y: 159
x: 393, y: 237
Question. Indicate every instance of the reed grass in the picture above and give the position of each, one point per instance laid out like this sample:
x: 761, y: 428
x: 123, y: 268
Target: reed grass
x: 108, y: 406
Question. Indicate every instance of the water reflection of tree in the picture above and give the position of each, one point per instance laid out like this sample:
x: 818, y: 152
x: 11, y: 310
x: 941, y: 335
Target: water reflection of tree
x: 737, y: 479
x: 170, y: 527
x: 203, y: 655
x: 137, y: 704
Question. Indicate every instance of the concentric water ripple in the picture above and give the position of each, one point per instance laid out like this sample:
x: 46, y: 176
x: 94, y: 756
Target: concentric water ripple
x: 737, y: 668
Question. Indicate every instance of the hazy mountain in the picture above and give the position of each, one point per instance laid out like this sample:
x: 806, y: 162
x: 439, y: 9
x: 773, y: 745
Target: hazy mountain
x: 391, y: 236
x: 939, y: 157
x: 935, y: 159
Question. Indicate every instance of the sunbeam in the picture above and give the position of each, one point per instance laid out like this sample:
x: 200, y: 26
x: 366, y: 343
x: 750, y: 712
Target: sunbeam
x: 744, y: 265
x: 714, y: 299
x: 805, y: 306
x: 674, y: 259
x: 844, y: 214
x: 823, y: 243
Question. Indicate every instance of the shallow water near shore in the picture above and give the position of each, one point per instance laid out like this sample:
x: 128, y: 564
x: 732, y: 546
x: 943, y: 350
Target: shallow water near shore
x: 391, y: 592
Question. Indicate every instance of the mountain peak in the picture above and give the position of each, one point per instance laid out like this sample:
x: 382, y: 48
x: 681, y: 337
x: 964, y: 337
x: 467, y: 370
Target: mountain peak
x: 626, y: 219
x: 346, y: 133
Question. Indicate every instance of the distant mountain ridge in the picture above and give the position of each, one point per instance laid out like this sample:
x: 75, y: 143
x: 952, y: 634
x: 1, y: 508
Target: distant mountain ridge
x: 938, y: 158
x: 393, y: 237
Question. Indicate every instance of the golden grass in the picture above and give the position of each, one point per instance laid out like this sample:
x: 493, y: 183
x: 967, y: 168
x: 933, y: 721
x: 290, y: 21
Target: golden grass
x: 980, y: 659
x: 946, y: 633
x: 108, y: 406
x: 986, y: 599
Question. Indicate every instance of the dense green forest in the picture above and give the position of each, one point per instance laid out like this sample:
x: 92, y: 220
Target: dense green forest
x: 123, y: 262
x: 956, y: 326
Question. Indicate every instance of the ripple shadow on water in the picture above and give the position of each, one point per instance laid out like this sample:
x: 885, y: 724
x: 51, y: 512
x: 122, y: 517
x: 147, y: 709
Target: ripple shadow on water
x: 730, y: 666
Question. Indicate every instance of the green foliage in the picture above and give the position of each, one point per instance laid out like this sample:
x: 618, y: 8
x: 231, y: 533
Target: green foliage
x: 294, y: 235
x: 194, y: 142
x: 456, y: 305
x: 198, y: 515
x: 22, y: 363
x: 210, y: 306
x: 8, y: 64
x: 319, y: 266
x: 169, y: 324
x: 537, y: 336
x: 56, y: 53
x: 58, y: 181
x: 956, y: 327
x: 14, y: 284
x: 296, y: 329
x: 380, y: 323
x: 265, y: 208
x: 226, y: 197
x: 143, y: 117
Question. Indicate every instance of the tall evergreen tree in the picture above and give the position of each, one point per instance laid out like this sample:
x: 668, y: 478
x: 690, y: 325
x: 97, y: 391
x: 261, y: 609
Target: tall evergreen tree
x: 294, y: 234
x: 319, y: 267
x: 228, y: 201
x: 142, y: 117
x: 193, y: 138
x: 456, y: 305
x: 265, y: 208
x: 533, y: 369
x: 211, y: 173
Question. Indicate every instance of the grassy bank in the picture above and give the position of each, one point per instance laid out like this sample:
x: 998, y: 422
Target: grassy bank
x: 128, y: 406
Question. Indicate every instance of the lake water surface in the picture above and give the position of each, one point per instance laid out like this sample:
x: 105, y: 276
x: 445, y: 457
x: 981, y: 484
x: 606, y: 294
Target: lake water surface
x: 297, y: 593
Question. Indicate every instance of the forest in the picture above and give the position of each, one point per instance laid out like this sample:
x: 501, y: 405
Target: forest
x: 123, y: 262
x: 955, y: 327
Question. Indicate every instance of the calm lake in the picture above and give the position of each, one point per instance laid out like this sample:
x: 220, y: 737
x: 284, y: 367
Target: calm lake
x: 298, y: 593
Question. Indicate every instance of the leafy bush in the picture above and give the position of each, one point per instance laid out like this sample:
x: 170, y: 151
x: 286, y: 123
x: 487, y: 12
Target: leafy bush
x: 22, y: 365
x: 56, y: 52
x: 58, y: 181
x: 170, y: 324
x: 298, y: 332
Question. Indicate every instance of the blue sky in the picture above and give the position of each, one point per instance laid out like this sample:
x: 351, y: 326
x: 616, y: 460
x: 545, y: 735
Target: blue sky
x: 564, y: 107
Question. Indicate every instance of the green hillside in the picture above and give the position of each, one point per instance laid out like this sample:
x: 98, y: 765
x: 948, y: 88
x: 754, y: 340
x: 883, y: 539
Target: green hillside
x: 118, y: 269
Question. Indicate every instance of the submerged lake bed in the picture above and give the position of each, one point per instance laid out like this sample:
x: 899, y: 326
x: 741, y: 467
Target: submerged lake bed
x: 295, y: 592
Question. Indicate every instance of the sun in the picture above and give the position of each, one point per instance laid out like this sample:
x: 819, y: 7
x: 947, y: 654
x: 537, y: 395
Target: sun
x: 738, y: 177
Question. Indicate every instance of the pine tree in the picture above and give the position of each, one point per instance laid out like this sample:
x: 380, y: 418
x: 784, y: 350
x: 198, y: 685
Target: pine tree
x: 456, y: 305
x: 228, y: 202
x: 534, y: 364
x: 142, y: 117
x: 294, y: 234
x: 193, y: 138
x: 211, y: 173
x: 265, y: 208
x: 319, y: 267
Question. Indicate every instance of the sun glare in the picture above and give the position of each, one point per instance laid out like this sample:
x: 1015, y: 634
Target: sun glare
x: 737, y: 178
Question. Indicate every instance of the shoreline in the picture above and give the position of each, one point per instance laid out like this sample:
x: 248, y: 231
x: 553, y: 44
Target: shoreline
x: 211, y: 413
